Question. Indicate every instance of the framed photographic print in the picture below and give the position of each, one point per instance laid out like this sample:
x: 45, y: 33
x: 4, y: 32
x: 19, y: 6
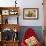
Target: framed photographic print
x: 5, y: 12
x: 30, y: 13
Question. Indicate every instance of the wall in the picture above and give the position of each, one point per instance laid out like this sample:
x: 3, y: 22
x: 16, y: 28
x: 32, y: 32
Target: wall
x: 31, y: 4
x: 26, y: 4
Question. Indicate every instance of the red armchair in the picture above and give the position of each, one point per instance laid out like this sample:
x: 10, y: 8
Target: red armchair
x: 29, y: 34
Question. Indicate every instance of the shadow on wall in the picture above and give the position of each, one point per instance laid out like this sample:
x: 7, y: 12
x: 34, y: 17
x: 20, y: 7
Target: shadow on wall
x: 37, y: 29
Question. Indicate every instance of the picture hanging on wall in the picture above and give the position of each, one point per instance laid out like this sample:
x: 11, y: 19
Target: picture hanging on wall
x: 30, y: 13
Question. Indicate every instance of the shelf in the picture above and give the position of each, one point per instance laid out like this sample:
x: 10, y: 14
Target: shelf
x: 9, y: 10
x: 11, y: 41
x: 6, y: 24
x: 6, y: 12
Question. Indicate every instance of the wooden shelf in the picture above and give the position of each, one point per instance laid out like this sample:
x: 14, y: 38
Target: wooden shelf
x: 4, y: 12
x: 8, y: 11
x: 10, y: 43
x: 11, y: 26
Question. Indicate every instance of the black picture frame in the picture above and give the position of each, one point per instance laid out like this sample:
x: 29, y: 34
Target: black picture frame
x: 30, y: 13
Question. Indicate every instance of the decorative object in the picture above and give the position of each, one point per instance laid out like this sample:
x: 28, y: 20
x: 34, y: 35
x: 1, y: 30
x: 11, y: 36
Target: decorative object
x: 30, y: 13
x: 15, y: 37
x: 13, y: 12
x: 15, y: 34
x: 15, y: 3
x: 31, y: 41
x: 5, y: 12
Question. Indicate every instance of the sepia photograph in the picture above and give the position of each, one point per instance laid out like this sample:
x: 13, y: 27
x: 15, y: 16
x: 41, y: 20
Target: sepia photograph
x: 30, y: 13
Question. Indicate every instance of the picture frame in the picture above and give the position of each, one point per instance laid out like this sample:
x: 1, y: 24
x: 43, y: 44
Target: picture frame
x: 5, y: 12
x: 30, y: 13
